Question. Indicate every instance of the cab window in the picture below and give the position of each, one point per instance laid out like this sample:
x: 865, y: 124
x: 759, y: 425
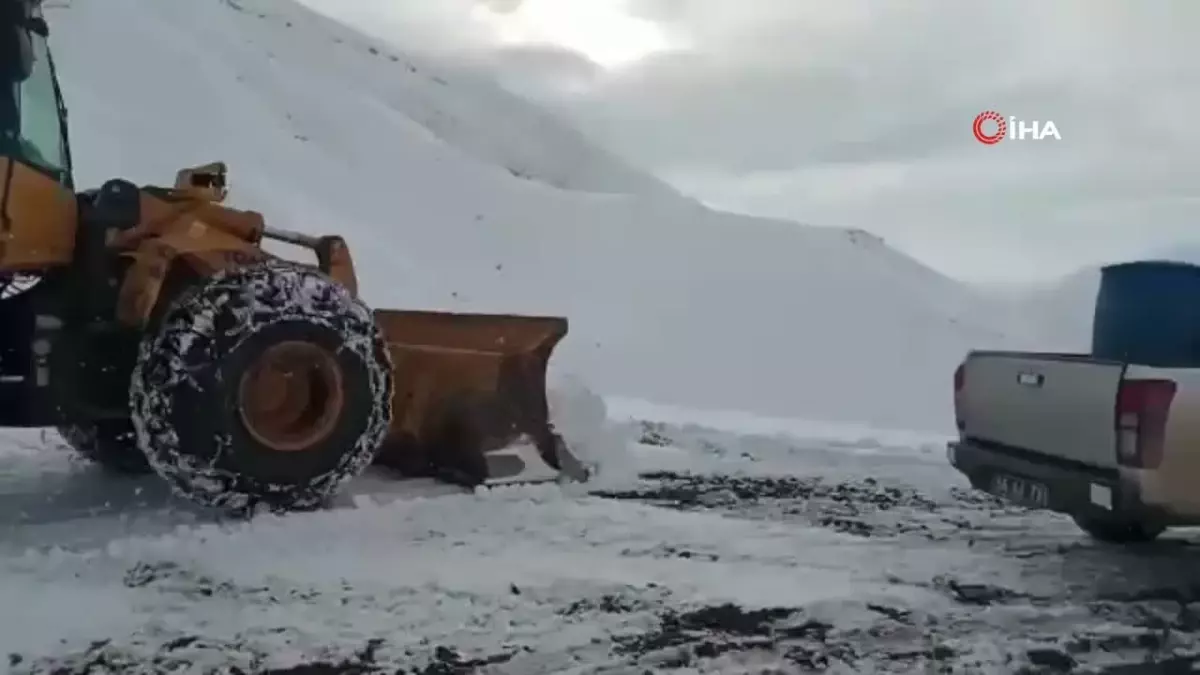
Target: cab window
x: 40, y: 138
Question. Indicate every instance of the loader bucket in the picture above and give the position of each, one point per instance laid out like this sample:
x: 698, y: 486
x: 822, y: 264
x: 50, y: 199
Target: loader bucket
x: 469, y: 397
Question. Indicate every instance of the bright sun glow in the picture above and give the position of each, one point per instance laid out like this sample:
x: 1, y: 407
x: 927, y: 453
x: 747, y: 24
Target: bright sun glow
x: 596, y: 29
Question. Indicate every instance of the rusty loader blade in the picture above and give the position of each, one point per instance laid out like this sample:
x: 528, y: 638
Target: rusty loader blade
x: 469, y: 402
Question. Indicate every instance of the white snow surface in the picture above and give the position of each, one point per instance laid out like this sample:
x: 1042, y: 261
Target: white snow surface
x: 97, y: 569
x: 87, y: 557
x: 457, y: 195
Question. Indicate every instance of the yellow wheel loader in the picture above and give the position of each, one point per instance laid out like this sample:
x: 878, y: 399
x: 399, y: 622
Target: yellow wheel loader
x: 151, y: 328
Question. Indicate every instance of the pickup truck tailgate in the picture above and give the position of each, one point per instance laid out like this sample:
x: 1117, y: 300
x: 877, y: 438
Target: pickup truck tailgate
x: 1062, y: 405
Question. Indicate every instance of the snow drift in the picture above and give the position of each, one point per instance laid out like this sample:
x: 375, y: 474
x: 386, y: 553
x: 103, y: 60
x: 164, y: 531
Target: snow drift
x: 457, y: 195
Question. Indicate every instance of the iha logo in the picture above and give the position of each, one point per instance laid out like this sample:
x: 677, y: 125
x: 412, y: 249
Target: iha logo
x: 990, y: 128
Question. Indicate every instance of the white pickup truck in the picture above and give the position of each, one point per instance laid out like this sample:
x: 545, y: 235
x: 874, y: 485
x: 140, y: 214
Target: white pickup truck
x: 1115, y: 445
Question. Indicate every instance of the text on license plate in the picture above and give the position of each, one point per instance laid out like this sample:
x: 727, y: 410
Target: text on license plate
x: 1020, y: 491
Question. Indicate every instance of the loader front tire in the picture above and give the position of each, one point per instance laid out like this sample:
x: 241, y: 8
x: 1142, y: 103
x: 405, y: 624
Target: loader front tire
x: 268, y: 385
x: 108, y: 443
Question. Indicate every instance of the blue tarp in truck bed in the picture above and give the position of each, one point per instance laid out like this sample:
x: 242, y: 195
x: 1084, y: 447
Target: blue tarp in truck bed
x: 1148, y: 312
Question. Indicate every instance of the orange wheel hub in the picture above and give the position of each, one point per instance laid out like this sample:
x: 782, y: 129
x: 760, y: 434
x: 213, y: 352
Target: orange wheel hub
x: 292, y: 396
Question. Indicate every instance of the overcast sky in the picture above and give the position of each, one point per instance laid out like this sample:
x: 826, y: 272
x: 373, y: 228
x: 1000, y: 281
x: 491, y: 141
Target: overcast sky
x: 859, y: 112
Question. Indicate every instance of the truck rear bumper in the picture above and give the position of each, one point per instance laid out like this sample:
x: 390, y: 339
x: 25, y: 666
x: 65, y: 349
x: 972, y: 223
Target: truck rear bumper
x: 1062, y: 486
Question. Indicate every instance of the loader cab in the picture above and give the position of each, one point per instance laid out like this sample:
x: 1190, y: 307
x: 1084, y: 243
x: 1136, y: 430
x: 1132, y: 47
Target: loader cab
x: 33, y: 116
x: 33, y: 134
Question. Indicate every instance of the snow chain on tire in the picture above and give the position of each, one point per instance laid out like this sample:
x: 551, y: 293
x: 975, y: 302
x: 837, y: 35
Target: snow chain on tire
x: 184, y: 387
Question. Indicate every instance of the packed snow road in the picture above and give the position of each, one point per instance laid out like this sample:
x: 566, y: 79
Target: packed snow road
x: 744, y: 548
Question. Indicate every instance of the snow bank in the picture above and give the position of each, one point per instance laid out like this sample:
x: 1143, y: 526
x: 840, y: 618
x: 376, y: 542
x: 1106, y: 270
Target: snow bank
x: 457, y: 195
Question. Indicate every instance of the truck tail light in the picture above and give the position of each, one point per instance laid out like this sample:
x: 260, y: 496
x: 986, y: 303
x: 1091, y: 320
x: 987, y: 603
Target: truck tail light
x: 960, y: 381
x: 1143, y: 407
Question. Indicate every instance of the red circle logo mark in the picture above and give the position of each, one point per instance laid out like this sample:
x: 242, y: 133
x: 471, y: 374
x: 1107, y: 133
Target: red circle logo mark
x: 989, y: 116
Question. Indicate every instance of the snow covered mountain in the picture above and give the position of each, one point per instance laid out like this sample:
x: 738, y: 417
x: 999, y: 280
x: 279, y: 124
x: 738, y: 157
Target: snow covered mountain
x: 1058, y: 313
x: 458, y: 195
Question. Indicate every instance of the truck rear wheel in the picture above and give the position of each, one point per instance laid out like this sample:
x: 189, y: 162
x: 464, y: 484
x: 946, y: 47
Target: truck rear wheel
x: 1119, y: 530
x: 264, y: 385
x: 109, y: 443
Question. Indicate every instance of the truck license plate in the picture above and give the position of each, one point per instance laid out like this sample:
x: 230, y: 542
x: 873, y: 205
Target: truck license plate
x: 1020, y: 491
